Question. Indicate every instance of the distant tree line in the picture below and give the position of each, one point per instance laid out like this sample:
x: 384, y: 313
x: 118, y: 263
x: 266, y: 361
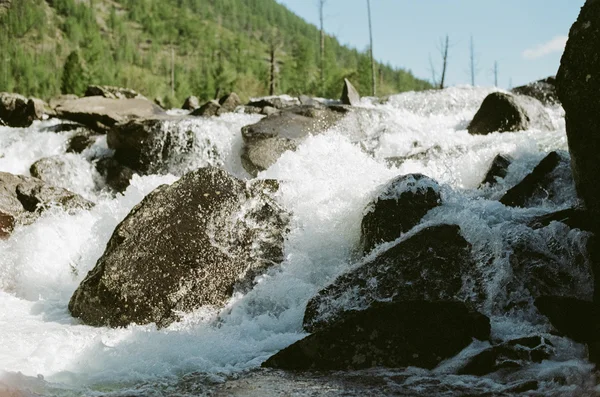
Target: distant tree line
x: 171, y: 49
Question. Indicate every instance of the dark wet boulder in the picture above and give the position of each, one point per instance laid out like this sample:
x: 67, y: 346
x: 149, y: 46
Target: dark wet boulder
x: 510, y: 355
x: 147, y: 145
x: 430, y: 265
x: 350, y: 95
x: 577, y: 83
x: 80, y: 141
x: 229, y: 102
x: 575, y: 218
x: 116, y: 175
x: 185, y: 246
x: 18, y: 111
x: 7, y: 224
x: 398, y: 207
x: 112, y: 92
x: 101, y: 114
x: 545, y: 182
x: 498, y: 170
x: 502, y: 112
x: 267, y: 140
x: 391, y: 334
x: 209, y: 109
x: 23, y: 198
x: 191, y: 103
x: 543, y: 90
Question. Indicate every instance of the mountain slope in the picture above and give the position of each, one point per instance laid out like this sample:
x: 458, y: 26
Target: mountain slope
x: 206, y: 47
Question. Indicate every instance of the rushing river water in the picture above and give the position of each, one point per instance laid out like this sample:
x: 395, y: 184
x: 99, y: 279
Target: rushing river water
x: 326, y: 185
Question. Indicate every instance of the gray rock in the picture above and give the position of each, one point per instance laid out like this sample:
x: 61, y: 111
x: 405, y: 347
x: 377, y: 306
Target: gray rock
x: 116, y: 175
x: 23, y: 198
x: 265, y: 141
x: 498, y: 170
x: 398, y: 207
x: 80, y: 141
x: 350, y: 95
x: 111, y: 92
x: 209, y: 109
x: 543, y: 90
x: 184, y: 246
x: 101, y: 114
x: 191, y: 103
x: 274, y: 102
x: 429, y: 265
x: 18, y: 111
x: 400, y: 334
x: 230, y: 102
x: 268, y: 110
x: 502, y: 112
x: 578, y: 84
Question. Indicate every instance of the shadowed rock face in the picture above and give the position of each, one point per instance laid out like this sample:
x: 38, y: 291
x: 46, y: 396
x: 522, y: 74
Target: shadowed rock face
x: 184, y: 246
x: 543, y: 90
x: 502, y: 112
x: 414, y: 333
x: 350, y: 95
x: 430, y: 265
x: 578, y: 84
x: 111, y: 92
x: 498, y: 169
x: 18, y: 111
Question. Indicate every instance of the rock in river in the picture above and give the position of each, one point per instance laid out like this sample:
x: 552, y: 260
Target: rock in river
x: 184, y: 246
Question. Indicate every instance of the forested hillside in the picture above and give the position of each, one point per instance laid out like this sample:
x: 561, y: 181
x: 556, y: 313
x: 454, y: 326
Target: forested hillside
x: 170, y: 49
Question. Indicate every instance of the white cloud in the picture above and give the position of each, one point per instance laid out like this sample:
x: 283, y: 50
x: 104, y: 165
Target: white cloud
x: 557, y: 44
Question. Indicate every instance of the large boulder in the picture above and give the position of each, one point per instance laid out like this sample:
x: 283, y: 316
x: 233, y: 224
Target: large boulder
x: 431, y: 265
x: 230, y: 102
x: 101, y: 114
x: 267, y: 140
x: 544, y: 183
x: 116, y: 175
x: 400, y: 334
x: 501, y: 112
x: 184, y: 246
x: 543, y: 90
x: 397, y: 208
x: 578, y: 84
x: 350, y: 95
x: 18, y: 111
x: 111, y: 92
x: 23, y: 198
x: 191, y: 103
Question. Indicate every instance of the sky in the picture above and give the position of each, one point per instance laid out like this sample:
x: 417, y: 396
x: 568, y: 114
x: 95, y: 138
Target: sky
x: 525, y: 37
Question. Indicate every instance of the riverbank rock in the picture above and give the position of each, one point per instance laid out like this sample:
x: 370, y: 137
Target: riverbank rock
x: 498, y: 170
x: 209, y: 109
x: 267, y: 140
x: 400, y: 334
x: 191, y: 103
x: 543, y: 90
x: 350, y: 95
x: 230, y: 102
x: 429, y: 265
x: 542, y: 183
x: 147, y: 145
x: 397, y: 208
x: 578, y: 82
x: 101, y: 114
x: 501, y: 112
x: 184, y: 246
x: 23, y: 198
x: 112, y: 92
x: 18, y: 111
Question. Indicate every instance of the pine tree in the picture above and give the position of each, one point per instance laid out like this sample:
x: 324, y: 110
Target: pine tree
x: 74, y: 79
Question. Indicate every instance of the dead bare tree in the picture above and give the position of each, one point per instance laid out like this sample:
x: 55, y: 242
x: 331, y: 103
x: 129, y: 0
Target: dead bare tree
x: 473, y: 63
x: 434, y: 81
x: 321, y: 6
x: 444, y: 45
x: 496, y: 73
x: 373, y: 86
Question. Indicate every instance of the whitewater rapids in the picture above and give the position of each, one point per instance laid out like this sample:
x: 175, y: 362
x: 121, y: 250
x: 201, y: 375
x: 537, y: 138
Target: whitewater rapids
x: 326, y: 184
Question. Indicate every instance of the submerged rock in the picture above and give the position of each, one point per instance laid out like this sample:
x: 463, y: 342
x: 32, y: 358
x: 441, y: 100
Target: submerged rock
x: 429, y: 265
x: 350, y: 95
x: 267, y: 140
x: 399, y: 334
x: 101, y: 114
x: 23, y: 198
x: 184, y: 246
x: 543, y: 90
x: 398, y: 207
x: 578, y: 84
x: 542, y: 183
x: 18, y: 111
x: 498, y: 170
x: 502, y: 112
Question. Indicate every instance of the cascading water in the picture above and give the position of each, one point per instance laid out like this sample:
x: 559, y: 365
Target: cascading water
x: 326, y: 184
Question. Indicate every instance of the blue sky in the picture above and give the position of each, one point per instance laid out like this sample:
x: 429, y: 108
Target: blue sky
x: 525, y: 37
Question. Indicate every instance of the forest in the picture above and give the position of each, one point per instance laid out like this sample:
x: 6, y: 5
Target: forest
x: 171, y: 49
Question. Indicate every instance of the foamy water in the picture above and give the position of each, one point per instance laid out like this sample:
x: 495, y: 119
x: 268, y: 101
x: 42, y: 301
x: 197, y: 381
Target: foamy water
x: 326, y: 185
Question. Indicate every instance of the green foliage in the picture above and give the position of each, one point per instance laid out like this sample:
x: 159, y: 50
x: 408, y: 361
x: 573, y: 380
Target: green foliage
x: 219, y: 46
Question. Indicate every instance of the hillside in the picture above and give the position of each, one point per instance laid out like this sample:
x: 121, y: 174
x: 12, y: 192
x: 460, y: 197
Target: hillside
x: 206, y: 47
